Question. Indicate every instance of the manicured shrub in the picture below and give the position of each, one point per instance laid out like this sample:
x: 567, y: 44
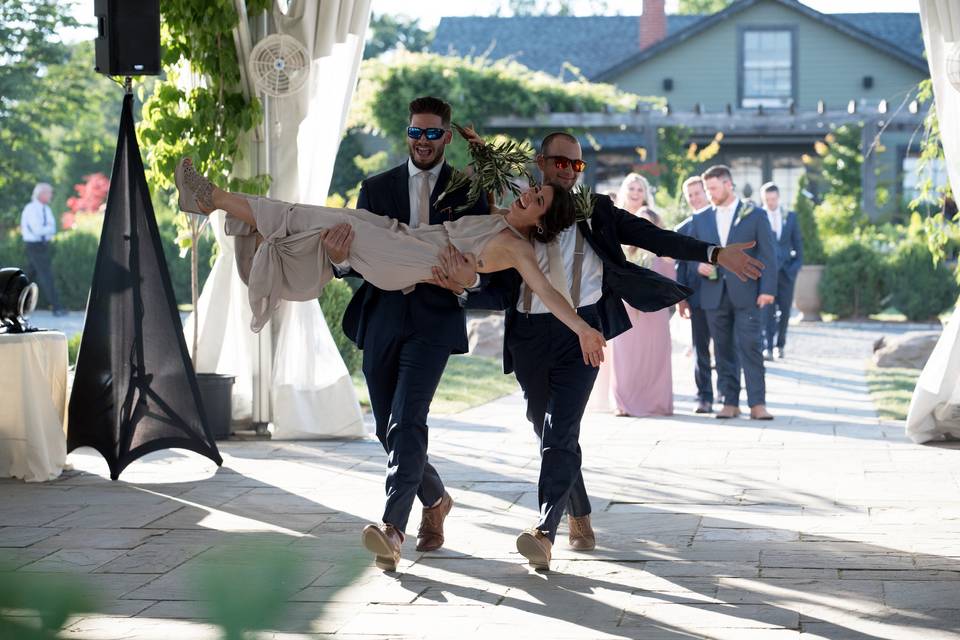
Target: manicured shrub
x: 854, y: 282
x: 920, y: 290
x: 74, y: 255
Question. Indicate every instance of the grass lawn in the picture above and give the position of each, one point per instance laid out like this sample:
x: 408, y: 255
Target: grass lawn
x: 468, y: 381
x: 891, y: 390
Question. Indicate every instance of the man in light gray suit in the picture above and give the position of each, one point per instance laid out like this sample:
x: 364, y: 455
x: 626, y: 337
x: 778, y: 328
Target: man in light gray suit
x: 734, y: 306
x: 789, y: 244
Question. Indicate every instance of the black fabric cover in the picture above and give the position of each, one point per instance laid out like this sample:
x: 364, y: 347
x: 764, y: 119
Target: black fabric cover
x: 135, y: 390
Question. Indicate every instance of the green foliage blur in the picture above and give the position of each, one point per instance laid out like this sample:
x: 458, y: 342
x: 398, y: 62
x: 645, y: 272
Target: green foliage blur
x: 58, y: 119
x: 333, y: 301
x: 45, y: 603
x: 477, y: 88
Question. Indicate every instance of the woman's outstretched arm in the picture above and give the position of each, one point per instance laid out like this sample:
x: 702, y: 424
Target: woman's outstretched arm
x: 525, y: 261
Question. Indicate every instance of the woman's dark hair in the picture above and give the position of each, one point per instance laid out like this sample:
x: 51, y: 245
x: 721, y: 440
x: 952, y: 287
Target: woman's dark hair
x: 561, y: 213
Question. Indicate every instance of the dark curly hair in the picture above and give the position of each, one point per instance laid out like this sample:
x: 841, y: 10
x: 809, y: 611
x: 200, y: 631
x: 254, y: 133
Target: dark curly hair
x: 561, y: 213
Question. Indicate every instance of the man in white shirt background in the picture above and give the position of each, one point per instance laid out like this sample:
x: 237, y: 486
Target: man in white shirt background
x: 38, y: 226
x: 789, y: 245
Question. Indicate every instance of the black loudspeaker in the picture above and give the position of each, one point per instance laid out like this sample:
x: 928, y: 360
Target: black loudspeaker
x: 128, y: 37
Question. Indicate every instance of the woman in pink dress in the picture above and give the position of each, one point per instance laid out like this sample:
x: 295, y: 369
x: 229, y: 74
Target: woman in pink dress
x: 641, y: 377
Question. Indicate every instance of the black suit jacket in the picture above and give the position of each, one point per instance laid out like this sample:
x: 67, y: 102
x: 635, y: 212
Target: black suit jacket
x: 435, y: 312
x: 608, y: 229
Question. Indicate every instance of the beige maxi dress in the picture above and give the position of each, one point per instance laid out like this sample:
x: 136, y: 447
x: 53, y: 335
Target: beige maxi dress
x: 291, y: 263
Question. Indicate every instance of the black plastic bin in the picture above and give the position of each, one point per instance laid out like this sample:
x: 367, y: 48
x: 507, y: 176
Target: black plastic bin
x: 216, y: 392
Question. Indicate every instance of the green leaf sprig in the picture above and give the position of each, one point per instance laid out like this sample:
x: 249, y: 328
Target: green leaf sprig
x: 495, y: 165
x: 583, y: 198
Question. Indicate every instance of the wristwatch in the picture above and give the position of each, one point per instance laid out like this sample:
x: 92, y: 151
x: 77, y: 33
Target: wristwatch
x: 714, y: 254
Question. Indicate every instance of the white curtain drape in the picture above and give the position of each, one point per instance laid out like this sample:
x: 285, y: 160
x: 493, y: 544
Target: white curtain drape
x: 311, y: 393
x: 935, y: 407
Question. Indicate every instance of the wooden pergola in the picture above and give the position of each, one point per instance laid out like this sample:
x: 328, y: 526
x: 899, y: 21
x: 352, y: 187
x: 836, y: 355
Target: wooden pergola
x: 759, y: 125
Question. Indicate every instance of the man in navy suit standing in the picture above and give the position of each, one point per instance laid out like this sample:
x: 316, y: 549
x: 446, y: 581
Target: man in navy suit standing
x: 545, y: 355
x: 407, y: 337
x: 786, y: 231
x: 734, y: 305
x: 695, y: 194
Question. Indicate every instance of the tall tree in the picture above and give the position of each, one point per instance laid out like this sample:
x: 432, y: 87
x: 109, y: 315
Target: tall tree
x: 700, y: 7
x: 387, y: 32
x: 29, y: 45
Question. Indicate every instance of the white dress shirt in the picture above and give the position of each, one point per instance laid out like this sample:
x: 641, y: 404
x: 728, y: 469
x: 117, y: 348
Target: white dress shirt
x: 776, y: 221
x: 37, y: 223
x: 725, y: 220
x: 591, y: 279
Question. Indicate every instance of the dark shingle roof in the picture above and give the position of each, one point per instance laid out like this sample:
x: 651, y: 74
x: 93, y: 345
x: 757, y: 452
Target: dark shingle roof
x: 598, y: 43
x: 902, y: 30
x: 590, y: 43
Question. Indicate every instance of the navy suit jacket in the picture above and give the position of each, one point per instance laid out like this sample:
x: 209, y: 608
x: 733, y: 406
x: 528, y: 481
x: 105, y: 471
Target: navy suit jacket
x: 749, y: 223
x: 790, y: 246
x: 436, y: 312
x: 608, y: 229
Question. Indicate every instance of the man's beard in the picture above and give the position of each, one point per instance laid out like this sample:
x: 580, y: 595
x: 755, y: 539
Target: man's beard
x: 425, y: 167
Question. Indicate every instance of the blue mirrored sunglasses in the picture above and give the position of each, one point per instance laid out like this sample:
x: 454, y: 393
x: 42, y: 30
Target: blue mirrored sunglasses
x: 433, y: 133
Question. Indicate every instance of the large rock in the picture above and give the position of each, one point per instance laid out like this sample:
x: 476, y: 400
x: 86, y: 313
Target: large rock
x: 909, y: 350
x: 485, y: 334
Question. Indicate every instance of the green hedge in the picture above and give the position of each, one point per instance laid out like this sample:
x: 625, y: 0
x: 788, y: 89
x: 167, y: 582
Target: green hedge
x: 854, y: 282
x: 333, y: 300
x: 920, y: 290
x: 74, y: 253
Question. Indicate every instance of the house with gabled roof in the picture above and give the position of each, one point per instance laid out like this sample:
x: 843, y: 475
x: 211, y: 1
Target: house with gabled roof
x: 773, y: 75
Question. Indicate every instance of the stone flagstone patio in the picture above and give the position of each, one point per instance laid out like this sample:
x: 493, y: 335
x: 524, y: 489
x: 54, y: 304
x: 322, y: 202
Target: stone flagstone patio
x: 825, y: 523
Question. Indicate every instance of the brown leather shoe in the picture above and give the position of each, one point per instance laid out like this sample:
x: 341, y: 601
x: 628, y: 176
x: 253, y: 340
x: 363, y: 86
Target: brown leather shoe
x: 759, y: 412
x: 728, y: 411
x: 536, y: 548
x: 430, y: 534
x: 581, y: 533
x: 384, y: 541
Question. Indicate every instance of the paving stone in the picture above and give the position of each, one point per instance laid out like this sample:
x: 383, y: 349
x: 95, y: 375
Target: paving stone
x: 25, y: 536
x: 151, y: 558
x: 73, y: 560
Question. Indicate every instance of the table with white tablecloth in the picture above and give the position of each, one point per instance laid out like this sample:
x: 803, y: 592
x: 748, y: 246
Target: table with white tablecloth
x: 33, y: 399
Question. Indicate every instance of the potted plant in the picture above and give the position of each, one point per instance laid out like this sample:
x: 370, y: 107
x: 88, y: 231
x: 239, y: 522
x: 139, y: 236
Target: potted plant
x: 806, y: 294
x: 216, y: 390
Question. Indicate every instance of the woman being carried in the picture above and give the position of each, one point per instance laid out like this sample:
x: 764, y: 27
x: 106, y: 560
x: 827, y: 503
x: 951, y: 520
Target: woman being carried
x: 280, y: 253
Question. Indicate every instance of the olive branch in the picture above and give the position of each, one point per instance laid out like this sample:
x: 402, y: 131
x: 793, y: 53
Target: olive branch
x: 495, y: 167
x: 583, y: 199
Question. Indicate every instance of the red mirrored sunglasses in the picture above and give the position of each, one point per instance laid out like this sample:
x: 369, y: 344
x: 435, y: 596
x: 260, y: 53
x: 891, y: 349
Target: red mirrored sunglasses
x: 562, y: 162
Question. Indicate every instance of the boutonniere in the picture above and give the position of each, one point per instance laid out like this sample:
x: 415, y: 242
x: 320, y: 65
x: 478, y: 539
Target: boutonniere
x: 583, y: 202
x: 745, y: 210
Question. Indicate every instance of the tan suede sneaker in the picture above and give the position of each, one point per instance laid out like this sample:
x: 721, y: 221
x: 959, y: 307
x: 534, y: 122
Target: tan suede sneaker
x: 536, y: 548
x: 728, y: 411
x: 383, y: 540
x: 430, y: 534
x: 581, y: 533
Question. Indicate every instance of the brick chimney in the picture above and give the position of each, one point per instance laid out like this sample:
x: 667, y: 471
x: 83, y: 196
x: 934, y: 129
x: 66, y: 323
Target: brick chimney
x: 653, y: 23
